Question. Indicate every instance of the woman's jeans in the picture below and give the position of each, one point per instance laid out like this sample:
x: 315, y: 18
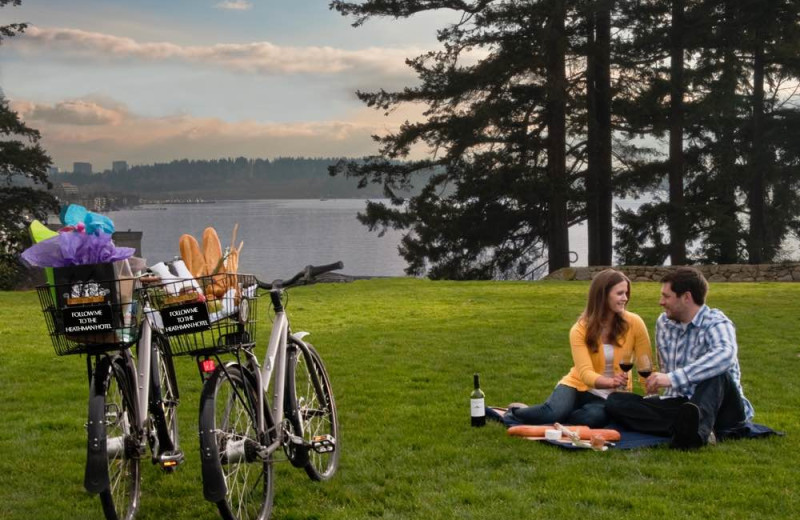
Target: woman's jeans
x: 565, y: 405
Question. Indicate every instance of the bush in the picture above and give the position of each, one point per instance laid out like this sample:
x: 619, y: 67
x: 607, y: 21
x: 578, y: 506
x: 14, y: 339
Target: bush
x: 12, y: 272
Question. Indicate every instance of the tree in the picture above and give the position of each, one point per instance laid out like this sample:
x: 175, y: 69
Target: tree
x: 598, y: 129
x: 23, y: 172
x: 498, y: 190
x: 713, y: 75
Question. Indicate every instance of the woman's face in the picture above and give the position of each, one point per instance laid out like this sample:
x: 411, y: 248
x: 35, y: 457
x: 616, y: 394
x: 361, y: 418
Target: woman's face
x: 618, y: 297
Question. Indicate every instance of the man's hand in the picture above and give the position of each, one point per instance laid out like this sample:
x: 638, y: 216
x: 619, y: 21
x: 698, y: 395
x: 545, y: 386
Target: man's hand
x: 657, y: 380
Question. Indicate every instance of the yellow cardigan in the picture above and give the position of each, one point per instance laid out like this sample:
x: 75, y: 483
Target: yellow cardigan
x: 589, y: 366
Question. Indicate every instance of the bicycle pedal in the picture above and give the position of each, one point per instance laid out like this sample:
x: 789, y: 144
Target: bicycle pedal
x: 170, y: 459
x: 323, y: 443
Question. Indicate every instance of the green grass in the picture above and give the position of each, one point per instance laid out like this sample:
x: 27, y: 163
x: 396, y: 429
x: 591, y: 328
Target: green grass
x: 401, y: 354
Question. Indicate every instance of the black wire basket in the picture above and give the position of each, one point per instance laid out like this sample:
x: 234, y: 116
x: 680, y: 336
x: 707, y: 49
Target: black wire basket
x: 91, y: 317
x: 203, y: 316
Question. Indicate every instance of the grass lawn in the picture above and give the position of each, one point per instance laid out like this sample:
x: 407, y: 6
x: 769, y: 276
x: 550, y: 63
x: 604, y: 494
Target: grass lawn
x: 401, y: 354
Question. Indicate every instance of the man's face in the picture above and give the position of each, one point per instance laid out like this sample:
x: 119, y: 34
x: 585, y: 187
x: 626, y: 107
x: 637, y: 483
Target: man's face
x: 674, y: 306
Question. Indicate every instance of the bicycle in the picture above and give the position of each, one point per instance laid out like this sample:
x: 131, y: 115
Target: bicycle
x: 241, y: 426
x: 132, y: 402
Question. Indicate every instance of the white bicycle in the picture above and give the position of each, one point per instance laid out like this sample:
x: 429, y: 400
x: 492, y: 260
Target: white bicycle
x: 251, y: 410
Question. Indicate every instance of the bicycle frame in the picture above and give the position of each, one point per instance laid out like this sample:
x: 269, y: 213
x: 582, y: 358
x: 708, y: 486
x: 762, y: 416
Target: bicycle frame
x: 144, y: 352
x: 275, y: 359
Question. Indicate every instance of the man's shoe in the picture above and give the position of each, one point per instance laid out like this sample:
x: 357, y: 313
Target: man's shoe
x: 684, y: 431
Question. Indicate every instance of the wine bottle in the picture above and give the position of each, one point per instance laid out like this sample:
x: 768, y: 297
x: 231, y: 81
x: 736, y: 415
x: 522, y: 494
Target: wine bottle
x: 477, y: 404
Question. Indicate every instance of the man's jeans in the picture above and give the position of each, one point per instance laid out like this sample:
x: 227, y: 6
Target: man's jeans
x: 565, y: 405
x: 721, y: 409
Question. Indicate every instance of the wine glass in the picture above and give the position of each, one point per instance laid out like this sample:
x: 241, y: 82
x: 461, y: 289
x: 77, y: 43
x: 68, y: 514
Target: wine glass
x: 644, y: 366
x: 626, y: 364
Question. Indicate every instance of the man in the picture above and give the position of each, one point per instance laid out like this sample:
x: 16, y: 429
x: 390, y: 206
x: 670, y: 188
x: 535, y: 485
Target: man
x: 697, y: 348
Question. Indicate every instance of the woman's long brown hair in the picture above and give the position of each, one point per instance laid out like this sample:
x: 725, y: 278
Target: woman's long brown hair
x: 597, y: 311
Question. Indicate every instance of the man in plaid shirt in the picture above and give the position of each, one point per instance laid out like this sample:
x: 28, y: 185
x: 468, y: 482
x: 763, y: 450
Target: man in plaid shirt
x: 700, y: 371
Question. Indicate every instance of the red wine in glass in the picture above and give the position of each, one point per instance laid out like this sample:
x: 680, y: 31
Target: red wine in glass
x: 626, y: 365
x: 645, y: 373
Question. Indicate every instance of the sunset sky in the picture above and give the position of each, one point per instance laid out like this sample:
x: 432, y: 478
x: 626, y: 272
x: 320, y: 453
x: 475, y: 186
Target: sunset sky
x: 151, y: 80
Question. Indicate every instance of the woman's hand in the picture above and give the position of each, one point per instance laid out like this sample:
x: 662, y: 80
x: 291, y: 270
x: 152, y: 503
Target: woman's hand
x: 619, y: 380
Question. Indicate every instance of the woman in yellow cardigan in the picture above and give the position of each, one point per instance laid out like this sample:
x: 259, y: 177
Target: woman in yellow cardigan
x: 604, y: 334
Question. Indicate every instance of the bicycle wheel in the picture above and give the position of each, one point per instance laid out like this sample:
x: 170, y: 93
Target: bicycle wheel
x: 227, y: 409
x: 313, y: 413
x: 115, y: 386
x: 163, y: 407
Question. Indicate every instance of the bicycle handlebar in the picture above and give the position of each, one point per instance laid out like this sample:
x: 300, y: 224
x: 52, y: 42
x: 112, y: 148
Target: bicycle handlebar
x: 305, y: 276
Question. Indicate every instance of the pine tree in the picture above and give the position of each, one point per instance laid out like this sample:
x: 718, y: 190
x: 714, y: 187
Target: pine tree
x: 23, y: 172
x: 499, y: 189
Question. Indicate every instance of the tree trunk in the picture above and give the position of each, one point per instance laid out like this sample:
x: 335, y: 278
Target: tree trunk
x: 727, y: 226
x: 756, y: 199
x: 603, y: 93
x: 558, y: 232
x: 592, y: 148
x: 678, y: 231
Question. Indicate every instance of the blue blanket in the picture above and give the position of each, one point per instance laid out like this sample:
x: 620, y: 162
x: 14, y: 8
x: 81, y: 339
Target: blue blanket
x: 630, y: 440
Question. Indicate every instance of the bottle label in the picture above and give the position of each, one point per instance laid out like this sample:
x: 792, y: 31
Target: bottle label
x: 478, y: 409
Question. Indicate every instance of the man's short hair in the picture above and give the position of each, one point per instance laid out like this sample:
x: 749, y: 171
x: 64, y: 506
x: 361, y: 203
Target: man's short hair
x: 683, y: 279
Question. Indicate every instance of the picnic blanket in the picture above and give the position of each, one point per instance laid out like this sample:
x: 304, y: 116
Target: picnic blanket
x: 630, y: 440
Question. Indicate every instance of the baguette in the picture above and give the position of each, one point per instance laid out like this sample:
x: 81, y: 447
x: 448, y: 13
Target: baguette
x: 212, y: 251
x: 191, y: 256
x: 585, y: 433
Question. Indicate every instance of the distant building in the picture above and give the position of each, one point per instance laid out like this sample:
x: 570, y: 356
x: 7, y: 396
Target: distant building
x: 69, y: 188
x: 100, y: 204
x: 119, y: 166
x: 82, y: 167
x: 52, y: 170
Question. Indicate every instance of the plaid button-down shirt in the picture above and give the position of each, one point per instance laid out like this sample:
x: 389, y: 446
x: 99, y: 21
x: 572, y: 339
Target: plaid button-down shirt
x: 701, y: 349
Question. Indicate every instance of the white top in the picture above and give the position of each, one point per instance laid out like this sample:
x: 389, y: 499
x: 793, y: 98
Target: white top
x: 609, y: 372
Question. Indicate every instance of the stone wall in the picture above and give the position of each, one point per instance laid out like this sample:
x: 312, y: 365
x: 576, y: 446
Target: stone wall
x: 714, y: 273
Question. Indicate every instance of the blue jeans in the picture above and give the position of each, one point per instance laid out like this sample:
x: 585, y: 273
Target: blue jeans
x: 565, y: 405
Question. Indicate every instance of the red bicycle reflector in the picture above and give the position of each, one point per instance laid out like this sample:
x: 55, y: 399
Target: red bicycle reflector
x: 208, y: 365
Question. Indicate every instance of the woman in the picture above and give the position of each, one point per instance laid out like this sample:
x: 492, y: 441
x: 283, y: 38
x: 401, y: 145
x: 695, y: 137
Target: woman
x: 604, y: 334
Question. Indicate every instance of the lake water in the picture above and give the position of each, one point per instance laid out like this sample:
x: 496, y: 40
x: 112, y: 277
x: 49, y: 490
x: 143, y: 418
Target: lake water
x: 282, y: 236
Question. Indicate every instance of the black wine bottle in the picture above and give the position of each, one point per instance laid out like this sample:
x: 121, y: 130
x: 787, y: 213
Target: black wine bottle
x: 477, y: 404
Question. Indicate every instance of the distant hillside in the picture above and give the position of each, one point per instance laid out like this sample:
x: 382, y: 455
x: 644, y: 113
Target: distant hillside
x: 238, y: 178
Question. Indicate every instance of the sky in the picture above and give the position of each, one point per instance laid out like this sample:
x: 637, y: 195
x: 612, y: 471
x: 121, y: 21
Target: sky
x: 148, y: 81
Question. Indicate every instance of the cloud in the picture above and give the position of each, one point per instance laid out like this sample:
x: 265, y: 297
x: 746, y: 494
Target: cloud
x: 236, y: 5
x: 73, y: 112
x: 101, y: 131
x: 255, y: 57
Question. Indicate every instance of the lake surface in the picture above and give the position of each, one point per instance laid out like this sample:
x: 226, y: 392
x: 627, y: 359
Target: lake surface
x: 282, y: 236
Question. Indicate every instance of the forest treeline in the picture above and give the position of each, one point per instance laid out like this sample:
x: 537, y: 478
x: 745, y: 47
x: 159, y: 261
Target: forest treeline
x: 225, y: 178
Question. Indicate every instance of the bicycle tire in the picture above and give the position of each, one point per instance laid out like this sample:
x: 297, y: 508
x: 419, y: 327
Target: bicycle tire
x: 163, y: 403
x: 312, y: 411
x: 115, y: 386
x: 227, y: 409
